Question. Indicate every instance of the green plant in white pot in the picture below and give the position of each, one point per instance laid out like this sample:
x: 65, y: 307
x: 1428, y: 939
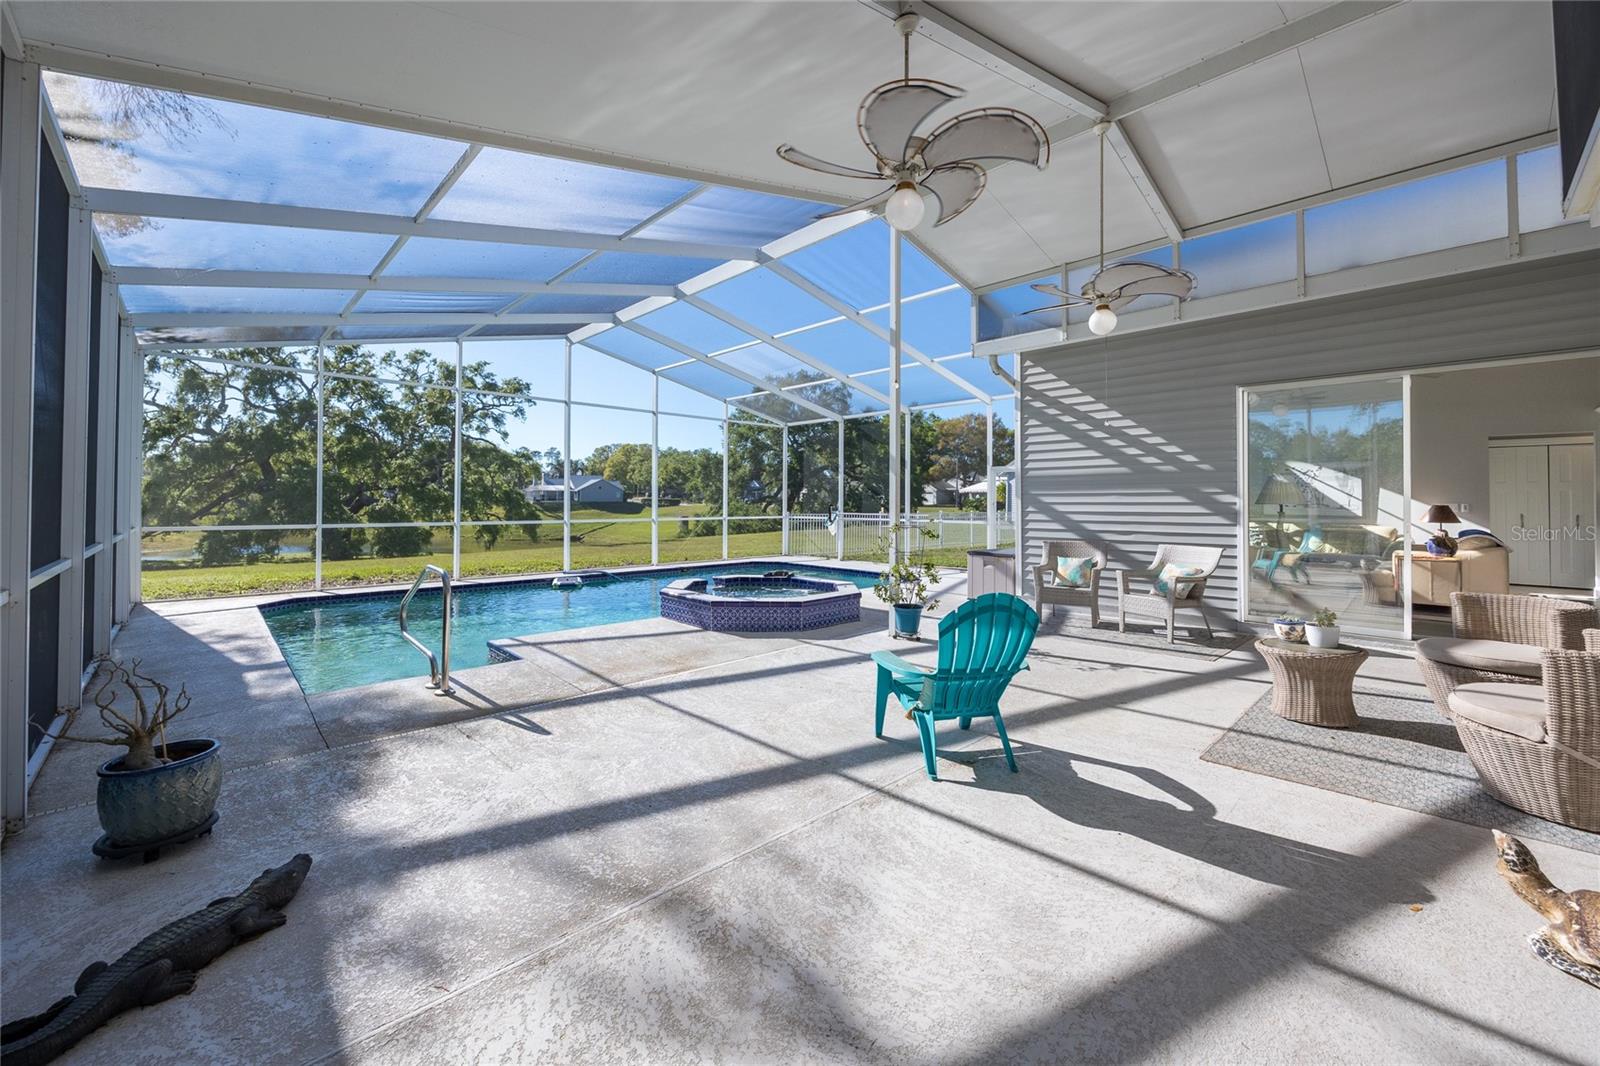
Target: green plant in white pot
x: 158, y: 791
x: 1323, y: 629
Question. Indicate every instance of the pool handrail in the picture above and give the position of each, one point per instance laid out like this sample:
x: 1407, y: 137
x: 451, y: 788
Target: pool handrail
x: 438, y: 667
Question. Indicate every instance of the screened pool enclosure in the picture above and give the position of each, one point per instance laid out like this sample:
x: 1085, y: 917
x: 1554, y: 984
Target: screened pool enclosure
x: 361, y: 348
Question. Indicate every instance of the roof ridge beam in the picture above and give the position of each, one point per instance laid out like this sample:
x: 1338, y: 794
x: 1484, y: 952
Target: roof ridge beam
x: 205, y: 209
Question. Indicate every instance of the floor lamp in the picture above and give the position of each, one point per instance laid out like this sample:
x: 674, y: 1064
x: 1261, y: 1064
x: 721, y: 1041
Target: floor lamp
x: 1279, y: 491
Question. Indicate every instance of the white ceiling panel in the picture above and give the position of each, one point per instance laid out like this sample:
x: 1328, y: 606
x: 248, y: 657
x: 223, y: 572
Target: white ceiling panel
x: 1425, y: 82
x: 1239, y: 143
x: 987, y: 242
x: 1109, y: 48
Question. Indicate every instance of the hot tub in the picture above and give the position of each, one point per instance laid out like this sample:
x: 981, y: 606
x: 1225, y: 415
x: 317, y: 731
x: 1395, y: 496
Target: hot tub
x: 774, y: 602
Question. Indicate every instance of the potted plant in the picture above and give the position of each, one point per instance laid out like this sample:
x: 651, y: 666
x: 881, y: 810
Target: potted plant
x: 157, y: 791
x: 904, y: 587
x: 1323, y: 629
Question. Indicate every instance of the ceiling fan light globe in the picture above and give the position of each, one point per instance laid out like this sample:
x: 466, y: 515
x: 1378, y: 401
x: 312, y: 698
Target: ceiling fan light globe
x: 1102, y: 321
x: 905, y: 208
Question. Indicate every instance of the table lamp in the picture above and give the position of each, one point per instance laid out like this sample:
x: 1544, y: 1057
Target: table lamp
x: 1281, y: 491
x: 1441, y: 543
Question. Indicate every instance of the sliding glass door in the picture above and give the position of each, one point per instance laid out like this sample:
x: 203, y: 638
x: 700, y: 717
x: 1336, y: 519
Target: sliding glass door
x: 1324, y: 510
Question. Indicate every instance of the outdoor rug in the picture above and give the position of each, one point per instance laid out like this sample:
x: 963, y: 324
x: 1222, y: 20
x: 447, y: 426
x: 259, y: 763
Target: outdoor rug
x: 1403, y: 753
x: 1185, y: 642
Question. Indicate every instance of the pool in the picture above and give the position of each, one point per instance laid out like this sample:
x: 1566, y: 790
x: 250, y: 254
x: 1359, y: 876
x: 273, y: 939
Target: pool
x: 340, y: 642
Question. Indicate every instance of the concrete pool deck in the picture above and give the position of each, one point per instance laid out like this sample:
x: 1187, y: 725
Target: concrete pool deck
x: 653, y: 843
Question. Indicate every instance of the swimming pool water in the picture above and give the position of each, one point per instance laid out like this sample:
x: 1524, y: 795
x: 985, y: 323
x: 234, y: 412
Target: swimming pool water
x: 334, y: 643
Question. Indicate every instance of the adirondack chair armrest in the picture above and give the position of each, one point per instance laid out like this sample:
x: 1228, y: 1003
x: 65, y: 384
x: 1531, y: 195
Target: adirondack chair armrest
x: 896, y: 665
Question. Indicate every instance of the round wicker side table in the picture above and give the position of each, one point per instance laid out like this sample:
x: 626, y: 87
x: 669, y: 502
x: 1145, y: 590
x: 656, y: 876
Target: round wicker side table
x: 1313, y: 685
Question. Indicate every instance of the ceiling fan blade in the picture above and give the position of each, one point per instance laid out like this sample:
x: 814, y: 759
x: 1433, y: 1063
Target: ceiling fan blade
x: 1051, y: 307
x: 1117, y: 275
x: 955, y: 186
x: 990, y: 134
x: 890, y: 114
x: 790, y: 153
x: 869, y: 204
x: 1047, y: 289
x: 1179, y: 285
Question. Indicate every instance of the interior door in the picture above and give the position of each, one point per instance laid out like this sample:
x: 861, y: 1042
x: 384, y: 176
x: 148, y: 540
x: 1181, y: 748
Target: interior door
x: 1571, y: 515
x: 1519, y: 508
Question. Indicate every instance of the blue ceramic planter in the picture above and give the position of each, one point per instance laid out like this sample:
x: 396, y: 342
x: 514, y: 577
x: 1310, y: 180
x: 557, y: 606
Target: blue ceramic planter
x: 139, y: 807
x: 907, y: 619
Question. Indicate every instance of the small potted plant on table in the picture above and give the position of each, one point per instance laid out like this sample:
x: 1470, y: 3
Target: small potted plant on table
x: 1323, y: 629
x: 157, y: 792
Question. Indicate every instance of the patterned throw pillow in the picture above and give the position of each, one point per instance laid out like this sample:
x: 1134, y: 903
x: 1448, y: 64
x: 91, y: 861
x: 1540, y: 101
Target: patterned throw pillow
x: 1074, y: 572
x: 1173, y: 573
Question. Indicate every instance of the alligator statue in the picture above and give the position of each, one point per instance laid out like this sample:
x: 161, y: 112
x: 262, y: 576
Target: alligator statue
x: 160, y: 966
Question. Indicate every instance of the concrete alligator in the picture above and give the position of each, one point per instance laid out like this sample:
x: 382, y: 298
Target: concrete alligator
x: 160, y: 966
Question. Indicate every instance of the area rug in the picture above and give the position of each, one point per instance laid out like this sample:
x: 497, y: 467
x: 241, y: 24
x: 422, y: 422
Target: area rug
x: 1403, y: 753
x: 1185, y: 642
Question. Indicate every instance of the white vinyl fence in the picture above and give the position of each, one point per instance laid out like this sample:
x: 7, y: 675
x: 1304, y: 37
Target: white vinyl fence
x: 864, y: 536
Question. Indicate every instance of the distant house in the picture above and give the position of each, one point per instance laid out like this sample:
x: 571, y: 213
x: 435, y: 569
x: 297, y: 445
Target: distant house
x: 586, y: 488
x: 944, y: 492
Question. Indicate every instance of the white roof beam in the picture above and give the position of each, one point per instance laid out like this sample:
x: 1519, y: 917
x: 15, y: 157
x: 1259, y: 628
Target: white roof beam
x: 1117, y: 138
x: 787, y: 349
x: 159, y: 319
x: 801, y: 282
x: 733, y: 371
x: 273, y: 279
x: 968, y: 43
x: 199, y: 208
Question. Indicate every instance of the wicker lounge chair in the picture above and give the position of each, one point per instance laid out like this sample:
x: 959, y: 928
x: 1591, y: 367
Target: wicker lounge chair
x: 1535, y: 747
x: 1498, y: 638
x: 1185, y: 594
x: 1048, y: 591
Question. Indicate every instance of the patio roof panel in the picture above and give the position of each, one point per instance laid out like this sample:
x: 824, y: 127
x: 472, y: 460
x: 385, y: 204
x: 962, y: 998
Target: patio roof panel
x: 502, y: 187
x: 142, y: 299
x: 694, y: 328
x: 433, y: 302
x: 150, y: 140
x: 854, y: 266
x: 441, y: 257
x: 734, y: 216
x: 626, y: 344
x: 192, y: 245
x: 633, y: 268
x: 766, y: 300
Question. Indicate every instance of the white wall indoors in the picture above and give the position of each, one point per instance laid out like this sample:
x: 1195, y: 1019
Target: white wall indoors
x: 1454, y: 415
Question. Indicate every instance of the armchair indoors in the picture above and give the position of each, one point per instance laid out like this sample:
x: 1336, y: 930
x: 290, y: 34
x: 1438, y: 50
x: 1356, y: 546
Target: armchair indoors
x: 1167, y: 597
x: 1048, y: 590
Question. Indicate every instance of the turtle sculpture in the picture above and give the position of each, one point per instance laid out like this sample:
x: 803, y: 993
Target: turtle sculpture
x: 1571, y: 940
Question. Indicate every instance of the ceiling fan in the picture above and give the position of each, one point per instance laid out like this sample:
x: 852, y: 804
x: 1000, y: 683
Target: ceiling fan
x: 946, y: 164
x: 1113, y: 288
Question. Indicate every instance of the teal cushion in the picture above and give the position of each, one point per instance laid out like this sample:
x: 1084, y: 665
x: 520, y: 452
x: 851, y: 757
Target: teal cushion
x: 1173, y: 573
x: 1074, y: 572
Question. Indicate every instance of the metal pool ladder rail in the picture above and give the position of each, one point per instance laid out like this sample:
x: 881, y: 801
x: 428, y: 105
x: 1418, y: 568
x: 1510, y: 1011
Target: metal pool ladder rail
x: 438, y: 667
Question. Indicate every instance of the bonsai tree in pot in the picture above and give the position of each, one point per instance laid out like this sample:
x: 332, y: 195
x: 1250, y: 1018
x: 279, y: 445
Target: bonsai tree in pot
x: 158, y: 791
x: 1323, y: 629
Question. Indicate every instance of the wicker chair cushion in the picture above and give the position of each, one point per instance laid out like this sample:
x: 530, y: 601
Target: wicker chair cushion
x: 1074, y: 572
x: 1492, y: 656
x: 1173, y: 574
x: 1503, y: 705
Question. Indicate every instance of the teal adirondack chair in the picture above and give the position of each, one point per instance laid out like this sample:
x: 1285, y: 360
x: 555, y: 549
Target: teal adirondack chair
x: 983, y: 644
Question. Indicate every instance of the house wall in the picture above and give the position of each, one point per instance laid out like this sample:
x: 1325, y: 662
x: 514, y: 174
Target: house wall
x: 1453, y: 416
x: 1132, y: 440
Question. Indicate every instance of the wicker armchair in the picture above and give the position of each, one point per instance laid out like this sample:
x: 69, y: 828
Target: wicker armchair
x: 1186, y: 594
x: 1496, y: 638
x: 1538, y: 749
x: 1047, y: 591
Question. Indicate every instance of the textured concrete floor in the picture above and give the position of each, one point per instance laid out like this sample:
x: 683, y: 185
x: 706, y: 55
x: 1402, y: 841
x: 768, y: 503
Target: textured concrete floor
x: 690, y: 847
